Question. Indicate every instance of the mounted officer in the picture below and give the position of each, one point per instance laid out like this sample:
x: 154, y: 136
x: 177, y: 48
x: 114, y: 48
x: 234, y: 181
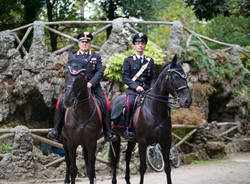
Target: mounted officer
x: 139, y: 74
x: 95, y: 73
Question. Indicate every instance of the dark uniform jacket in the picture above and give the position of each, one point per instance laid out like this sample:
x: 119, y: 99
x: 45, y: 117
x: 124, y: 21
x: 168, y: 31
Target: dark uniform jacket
x: 131, y: 66
x: 94, y: 67
x: 94, y: 70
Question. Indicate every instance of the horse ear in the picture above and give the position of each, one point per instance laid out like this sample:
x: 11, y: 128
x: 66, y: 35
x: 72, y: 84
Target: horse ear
x: 70, y: 55
x: 182, y: 59
x: 173, y: 63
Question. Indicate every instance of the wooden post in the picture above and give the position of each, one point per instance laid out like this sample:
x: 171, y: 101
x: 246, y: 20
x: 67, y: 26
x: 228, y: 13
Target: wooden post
x: 58, y: 145
x: 24, y: 38
x: 12, y: 130
x: 188, y: 40
x: 102, y: 29
x: 226, y: 123
x: 6, y: 136
x: 186, y: 137
x: 55, y: 162
x: 184, y: 126
x: 18, y: 41
x: 78, y: 22
x: 64, y: 48
x: 22, y: 27
x: 229, y: 130
x: 176, y: 136
x: 61, y: 34
x: 131, y: 28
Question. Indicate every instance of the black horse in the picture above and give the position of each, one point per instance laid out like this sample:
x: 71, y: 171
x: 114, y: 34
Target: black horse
x: 82, y: 121
x: 152, y: 120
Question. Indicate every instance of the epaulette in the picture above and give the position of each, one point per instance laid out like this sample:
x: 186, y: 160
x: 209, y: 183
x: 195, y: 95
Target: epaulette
x: 131, y: 57
x: 148, y: 58
x: 128, y: 56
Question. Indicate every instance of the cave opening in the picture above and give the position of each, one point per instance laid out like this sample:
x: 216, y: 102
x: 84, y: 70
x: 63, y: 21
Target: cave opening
x: 218, y: 110
x: 35, y: 112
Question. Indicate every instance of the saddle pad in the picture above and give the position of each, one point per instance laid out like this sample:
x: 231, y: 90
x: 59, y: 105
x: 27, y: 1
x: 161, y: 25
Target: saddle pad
x: 117, y: 110
x: 120, y: 123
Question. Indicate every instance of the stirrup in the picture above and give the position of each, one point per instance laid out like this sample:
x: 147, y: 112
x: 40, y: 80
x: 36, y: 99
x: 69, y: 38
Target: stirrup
x: 110, y: 137
x: 128, y: 134
x: 53, y: 135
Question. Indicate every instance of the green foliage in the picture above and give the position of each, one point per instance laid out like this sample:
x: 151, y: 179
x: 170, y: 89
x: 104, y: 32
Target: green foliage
x: 205, y: 161
x: 212, y: 9
x: 16, y: 13
x: 208, y: 9
x: 245, y: 60
x: 173, y: 11
x: 126, y: 8
x: 4, y: 147
x: 114, y: 66
x: 234, y: 30
x: 217, y: 70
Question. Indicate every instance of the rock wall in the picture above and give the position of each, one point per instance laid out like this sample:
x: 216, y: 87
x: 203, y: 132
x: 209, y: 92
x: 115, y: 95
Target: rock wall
x: 21, y: 162
x: 30, y: 86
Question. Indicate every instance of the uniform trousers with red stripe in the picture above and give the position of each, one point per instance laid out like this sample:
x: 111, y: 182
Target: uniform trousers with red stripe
x: 129, y: 109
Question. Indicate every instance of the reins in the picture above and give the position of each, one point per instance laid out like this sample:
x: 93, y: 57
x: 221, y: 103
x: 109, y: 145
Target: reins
x: 84, y: 123
x: 165, y: 99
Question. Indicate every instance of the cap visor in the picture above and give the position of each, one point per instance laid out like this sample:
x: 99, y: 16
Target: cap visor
x: 84, y: 39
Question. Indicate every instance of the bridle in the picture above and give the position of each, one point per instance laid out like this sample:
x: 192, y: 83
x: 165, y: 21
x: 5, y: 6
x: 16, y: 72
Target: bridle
x: 77, y: 100
x: 165, y: 99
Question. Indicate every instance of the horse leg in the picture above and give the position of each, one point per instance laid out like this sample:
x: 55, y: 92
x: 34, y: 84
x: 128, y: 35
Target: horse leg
x: 67, y: 160
x: 85, y: 155
x: 91, y: 148
x: 114, y: 155
x: 72, y: 156
x: 143, y: 166
x: 166, y: 145
x: 129, y: 150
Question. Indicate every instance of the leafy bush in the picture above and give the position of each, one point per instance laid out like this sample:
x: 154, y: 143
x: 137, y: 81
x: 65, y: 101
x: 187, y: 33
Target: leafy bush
x: 245, y: 60
x: 113, y: 69
x: 4, y: 147
x: 218, y: 70
x: 190, y: 116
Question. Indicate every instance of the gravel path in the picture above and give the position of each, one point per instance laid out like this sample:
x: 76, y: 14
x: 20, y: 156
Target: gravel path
x: 235, y: 170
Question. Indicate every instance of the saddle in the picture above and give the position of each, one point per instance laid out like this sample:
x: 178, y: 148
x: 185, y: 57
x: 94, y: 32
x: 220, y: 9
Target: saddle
x: 117, y: 115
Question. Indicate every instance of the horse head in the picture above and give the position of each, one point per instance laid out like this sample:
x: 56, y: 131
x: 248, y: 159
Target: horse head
x: 174, y: 81
x: 75, y: 81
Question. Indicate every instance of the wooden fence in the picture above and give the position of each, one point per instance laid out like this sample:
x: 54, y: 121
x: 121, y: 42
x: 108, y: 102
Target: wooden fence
x: 8, y: 133
x: 108, y: 24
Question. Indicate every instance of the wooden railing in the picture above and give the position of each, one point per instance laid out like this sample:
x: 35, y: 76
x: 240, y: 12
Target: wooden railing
x: 8, y: 133
x: 126, y: 22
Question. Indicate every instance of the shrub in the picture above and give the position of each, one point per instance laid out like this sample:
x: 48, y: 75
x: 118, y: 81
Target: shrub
x: 190, y: 116
x: 113, y: 69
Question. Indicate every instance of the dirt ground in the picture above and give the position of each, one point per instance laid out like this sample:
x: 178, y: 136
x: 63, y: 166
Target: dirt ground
x: 235, y: 170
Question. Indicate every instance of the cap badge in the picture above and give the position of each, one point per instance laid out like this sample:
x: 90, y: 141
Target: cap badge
x: 86, y: 34
x: 140, y: 35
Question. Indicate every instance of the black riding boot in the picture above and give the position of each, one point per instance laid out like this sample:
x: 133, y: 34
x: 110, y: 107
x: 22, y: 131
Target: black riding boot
x: 59, y: 122
x: 109, y: 135
x: 128, y: 133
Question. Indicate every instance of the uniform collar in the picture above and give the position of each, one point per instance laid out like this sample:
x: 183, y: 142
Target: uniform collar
x: 139, y: 57
x: 83, y: 53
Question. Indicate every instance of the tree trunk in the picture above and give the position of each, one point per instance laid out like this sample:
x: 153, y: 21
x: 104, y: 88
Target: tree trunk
x: 53, y: 36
